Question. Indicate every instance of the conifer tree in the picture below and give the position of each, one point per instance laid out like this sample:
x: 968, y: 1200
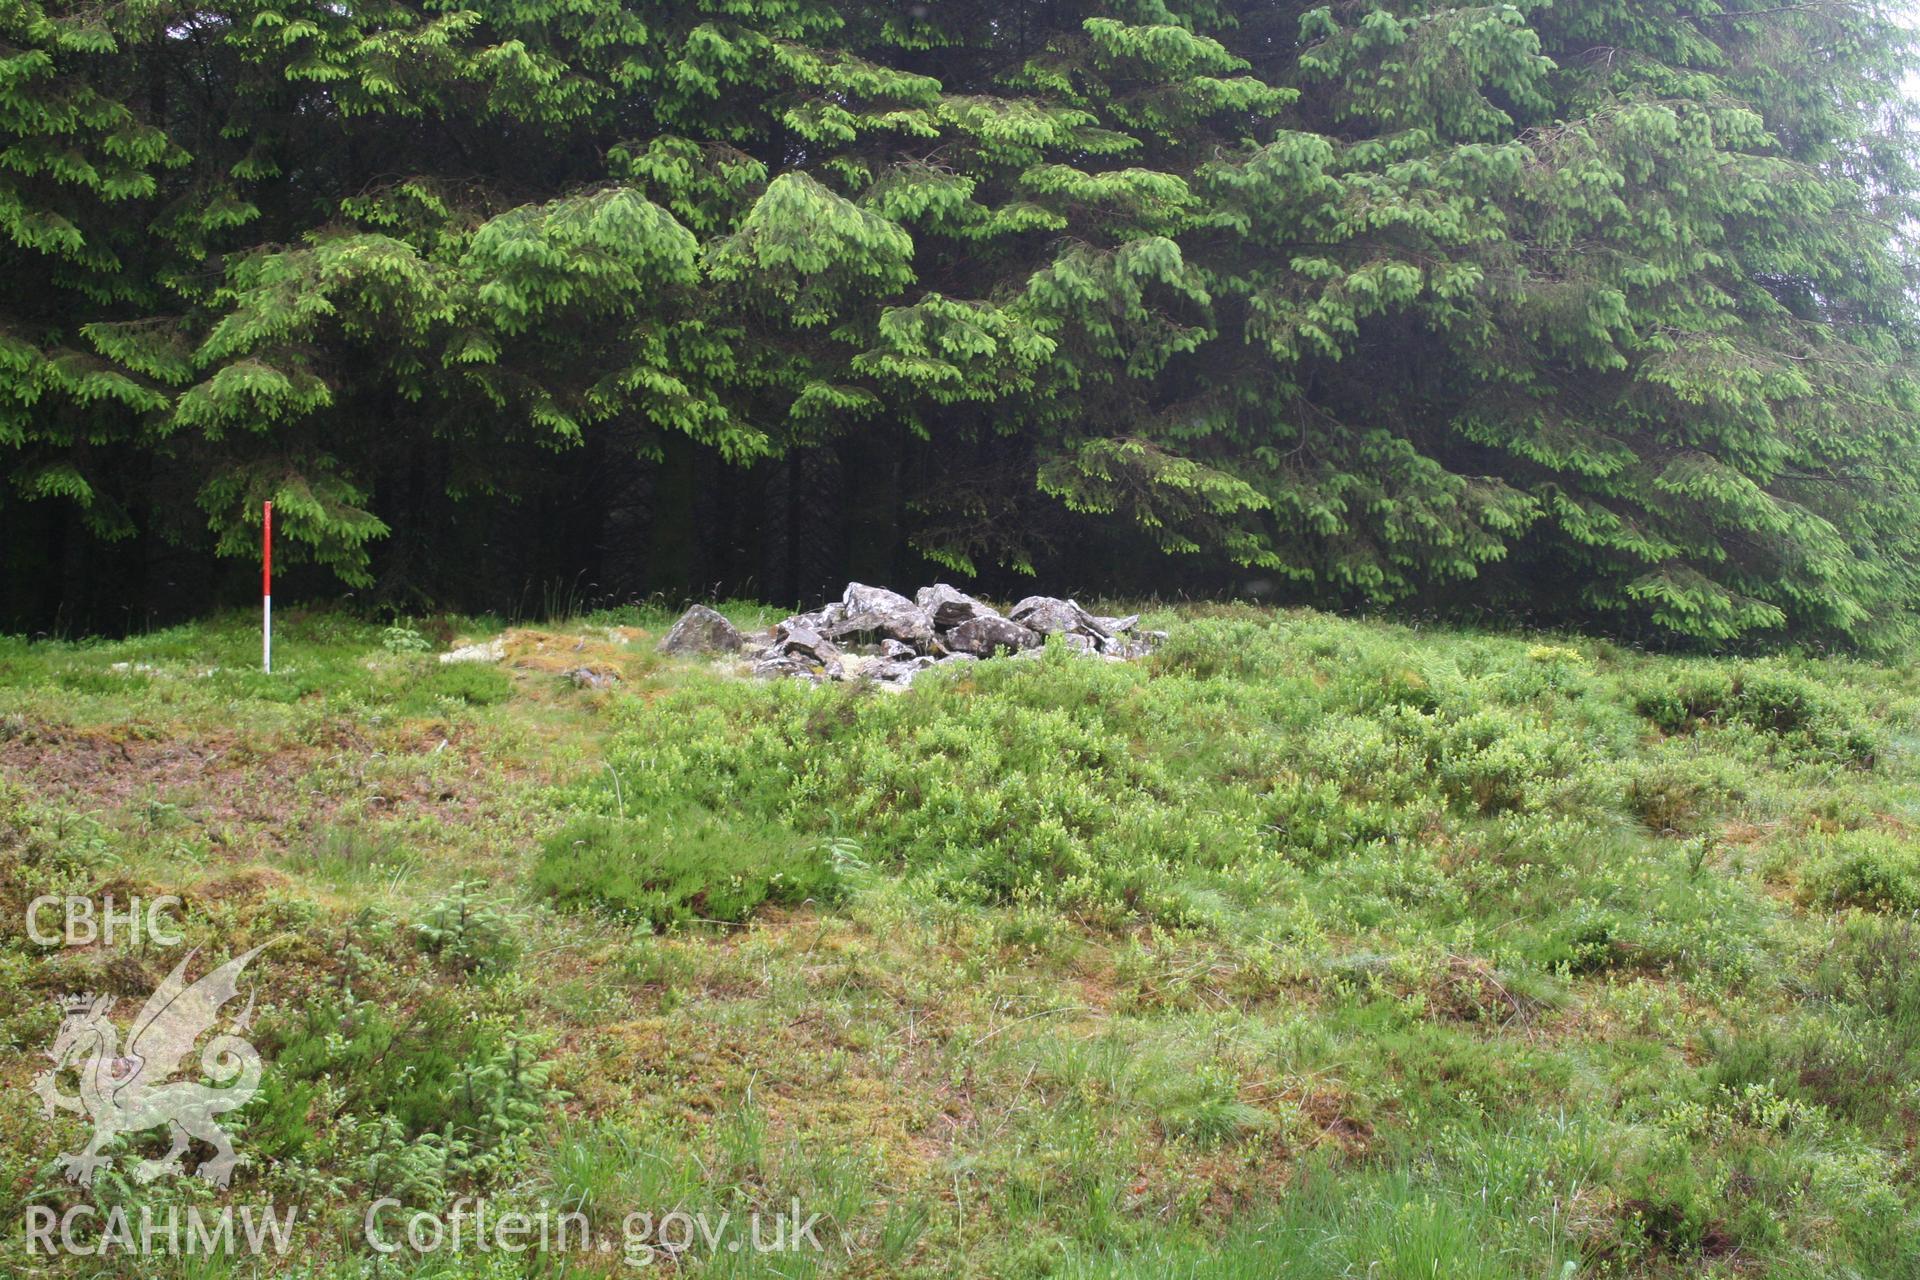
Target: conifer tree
x: 1598, y: 309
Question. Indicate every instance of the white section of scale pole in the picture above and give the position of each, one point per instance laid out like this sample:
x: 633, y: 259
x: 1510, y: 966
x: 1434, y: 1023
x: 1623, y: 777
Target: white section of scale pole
x: 266, y: 587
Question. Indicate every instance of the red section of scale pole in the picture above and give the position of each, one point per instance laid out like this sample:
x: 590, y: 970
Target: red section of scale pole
x: 266, y: 586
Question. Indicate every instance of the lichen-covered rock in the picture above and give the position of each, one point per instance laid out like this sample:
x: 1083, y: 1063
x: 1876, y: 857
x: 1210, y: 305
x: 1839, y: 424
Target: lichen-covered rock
x: 1049, y: 615
x: 983, y: 637
x: 1134, y: 644
x: 949, y: 606
x: 808, y: 643
x: 702, y: 630
x: 494, y: 650
x: 820, y: 621
x: 878, y: 611
x: 775, y: 665
x: 804, y: 652
x: 880, y: 637
x: 896, y: 672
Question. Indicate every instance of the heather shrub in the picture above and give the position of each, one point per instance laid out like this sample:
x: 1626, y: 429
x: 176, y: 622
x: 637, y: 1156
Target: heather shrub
x: 1801, y: 716
x: 1879, y: 870
x: 680, y: 867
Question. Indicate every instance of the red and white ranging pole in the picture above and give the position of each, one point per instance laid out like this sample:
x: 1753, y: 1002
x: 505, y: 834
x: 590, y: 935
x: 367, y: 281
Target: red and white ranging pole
x: 266, y: 587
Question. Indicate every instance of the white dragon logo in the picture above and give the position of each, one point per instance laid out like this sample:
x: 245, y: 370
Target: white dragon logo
x: 127, y: 1091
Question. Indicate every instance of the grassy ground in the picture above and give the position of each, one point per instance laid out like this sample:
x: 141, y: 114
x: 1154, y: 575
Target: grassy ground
x: 1305, y: 948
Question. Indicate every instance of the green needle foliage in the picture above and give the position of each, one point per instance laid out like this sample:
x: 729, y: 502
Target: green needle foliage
x: 1604, y: 307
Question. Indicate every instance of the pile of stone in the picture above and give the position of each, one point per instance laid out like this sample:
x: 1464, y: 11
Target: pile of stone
x: 877, y: 635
